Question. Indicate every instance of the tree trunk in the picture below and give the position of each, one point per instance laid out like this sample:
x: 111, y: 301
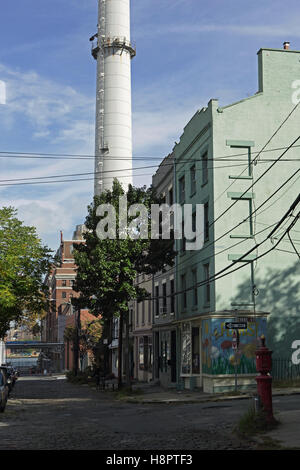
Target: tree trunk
x: 120, y: 351
x: 106, y: 335
x: 127, y: 358
x: 76, y: 343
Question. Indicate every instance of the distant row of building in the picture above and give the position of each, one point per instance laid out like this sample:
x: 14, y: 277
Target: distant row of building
x: 179, y: 336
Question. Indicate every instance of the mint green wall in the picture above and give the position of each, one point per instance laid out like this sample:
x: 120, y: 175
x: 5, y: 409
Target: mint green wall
x: 250, y: 122
x: 195, y: 141
x: 256, y: 119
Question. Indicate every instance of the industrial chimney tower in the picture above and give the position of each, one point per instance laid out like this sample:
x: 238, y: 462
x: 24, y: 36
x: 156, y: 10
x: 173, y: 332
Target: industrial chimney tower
x: 112, y: 49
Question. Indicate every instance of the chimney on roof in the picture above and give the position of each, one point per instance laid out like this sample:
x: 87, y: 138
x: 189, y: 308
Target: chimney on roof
x: 286, y: 45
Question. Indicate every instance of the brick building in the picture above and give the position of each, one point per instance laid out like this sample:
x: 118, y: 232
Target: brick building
x: 60, y: 282
x: 68, y: 318
x: 140, y: 319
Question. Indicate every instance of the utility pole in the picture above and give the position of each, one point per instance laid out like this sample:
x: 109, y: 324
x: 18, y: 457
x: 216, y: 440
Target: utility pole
x: 127, y: 358
x: 120, y: 351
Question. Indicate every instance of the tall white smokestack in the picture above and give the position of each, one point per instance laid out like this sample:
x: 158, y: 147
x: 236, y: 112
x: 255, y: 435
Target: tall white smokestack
x: 113, y: 51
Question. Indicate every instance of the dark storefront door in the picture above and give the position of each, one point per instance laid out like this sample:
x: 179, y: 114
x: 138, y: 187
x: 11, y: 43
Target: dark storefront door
x: 156, y: 355
x: 173, y: 356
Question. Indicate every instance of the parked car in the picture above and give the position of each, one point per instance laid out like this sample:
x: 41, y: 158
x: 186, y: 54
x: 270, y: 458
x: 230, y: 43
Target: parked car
x: 11, y: 377
x: 3, y: 390
x: 13, y: 374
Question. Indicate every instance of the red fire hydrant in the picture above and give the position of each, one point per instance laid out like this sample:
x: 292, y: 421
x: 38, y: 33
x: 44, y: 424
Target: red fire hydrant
x: 264, y: 381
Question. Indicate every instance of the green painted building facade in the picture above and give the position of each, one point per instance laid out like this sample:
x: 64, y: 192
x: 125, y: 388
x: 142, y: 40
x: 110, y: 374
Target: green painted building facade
x: 214, y: 167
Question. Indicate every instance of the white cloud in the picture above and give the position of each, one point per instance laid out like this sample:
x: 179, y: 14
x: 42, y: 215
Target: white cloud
x: 62, y: 120
x: 62, y: 211
x: 2, y: 92
x: 45, y: 105
x: 41, y: 134
x: 47, y: 216
x: 79, y: 131
x: 159, y: 128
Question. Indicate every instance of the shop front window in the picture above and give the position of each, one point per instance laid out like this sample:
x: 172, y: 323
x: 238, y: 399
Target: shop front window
x: 146, y: 355
x: 141, y: 353
x: 195, y: 351
x: 150, y: 355
x: 163, y: 349
x: 186, y: 349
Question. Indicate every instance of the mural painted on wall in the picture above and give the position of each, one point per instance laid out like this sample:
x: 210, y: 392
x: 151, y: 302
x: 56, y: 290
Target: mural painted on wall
x: 218, y: 355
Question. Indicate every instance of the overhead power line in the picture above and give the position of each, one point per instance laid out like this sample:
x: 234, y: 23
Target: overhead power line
x: 219, y: 252
x: 293, y: 245
x: 222, y: 273
x: 71, y: 156
x: 255, y: 182
x: 255, y: 211
x: 71, y: 175
x: 184, y: 261
x: 68, y: 156
x: 287, y: 251
x: 263, y: 149
x: 288, y: 212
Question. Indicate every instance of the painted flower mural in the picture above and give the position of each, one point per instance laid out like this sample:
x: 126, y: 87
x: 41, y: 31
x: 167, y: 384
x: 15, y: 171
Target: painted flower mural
x: 249, y: 349
x: 226, y: 345
x: 234, y: 360
x: 218, y: 356
x: 214, y: 352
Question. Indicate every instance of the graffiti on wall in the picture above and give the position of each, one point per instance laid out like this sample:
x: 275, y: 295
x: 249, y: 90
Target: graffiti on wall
x: 218, y: 355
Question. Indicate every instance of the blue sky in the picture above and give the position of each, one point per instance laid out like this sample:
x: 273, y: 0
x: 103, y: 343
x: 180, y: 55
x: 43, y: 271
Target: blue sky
x: 188, y: 51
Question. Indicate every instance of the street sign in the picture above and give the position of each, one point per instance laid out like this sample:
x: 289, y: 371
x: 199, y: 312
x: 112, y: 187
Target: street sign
x: 235, y: 340
x: 236, y: 325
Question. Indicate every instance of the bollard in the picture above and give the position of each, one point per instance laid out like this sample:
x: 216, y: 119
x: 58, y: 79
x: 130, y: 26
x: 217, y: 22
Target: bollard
x: 264, y: 380
x: 257, y: 404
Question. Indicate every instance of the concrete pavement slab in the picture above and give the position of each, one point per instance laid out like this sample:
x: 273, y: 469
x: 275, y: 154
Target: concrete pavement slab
x: 288, y: 431
x: 159, y: 395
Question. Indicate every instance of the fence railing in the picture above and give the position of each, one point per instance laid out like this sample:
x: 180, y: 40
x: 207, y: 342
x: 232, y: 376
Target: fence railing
x: 284, y: 369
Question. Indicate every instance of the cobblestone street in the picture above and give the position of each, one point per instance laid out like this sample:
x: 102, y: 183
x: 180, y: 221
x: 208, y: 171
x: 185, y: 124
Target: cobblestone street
x: 49, y: 413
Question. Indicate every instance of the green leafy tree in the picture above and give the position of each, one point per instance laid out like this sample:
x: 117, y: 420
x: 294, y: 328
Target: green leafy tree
x: 24, y: 261
x: 88, y: 338
x: 107, y: 268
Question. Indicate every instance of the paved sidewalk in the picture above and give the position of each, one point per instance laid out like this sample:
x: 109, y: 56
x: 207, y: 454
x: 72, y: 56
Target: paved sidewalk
x: 288, y: 431
x: 156, y: 394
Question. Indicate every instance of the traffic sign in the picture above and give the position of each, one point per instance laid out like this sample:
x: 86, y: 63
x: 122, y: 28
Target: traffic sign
x: 236, y: 325
x: 235, y: 340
